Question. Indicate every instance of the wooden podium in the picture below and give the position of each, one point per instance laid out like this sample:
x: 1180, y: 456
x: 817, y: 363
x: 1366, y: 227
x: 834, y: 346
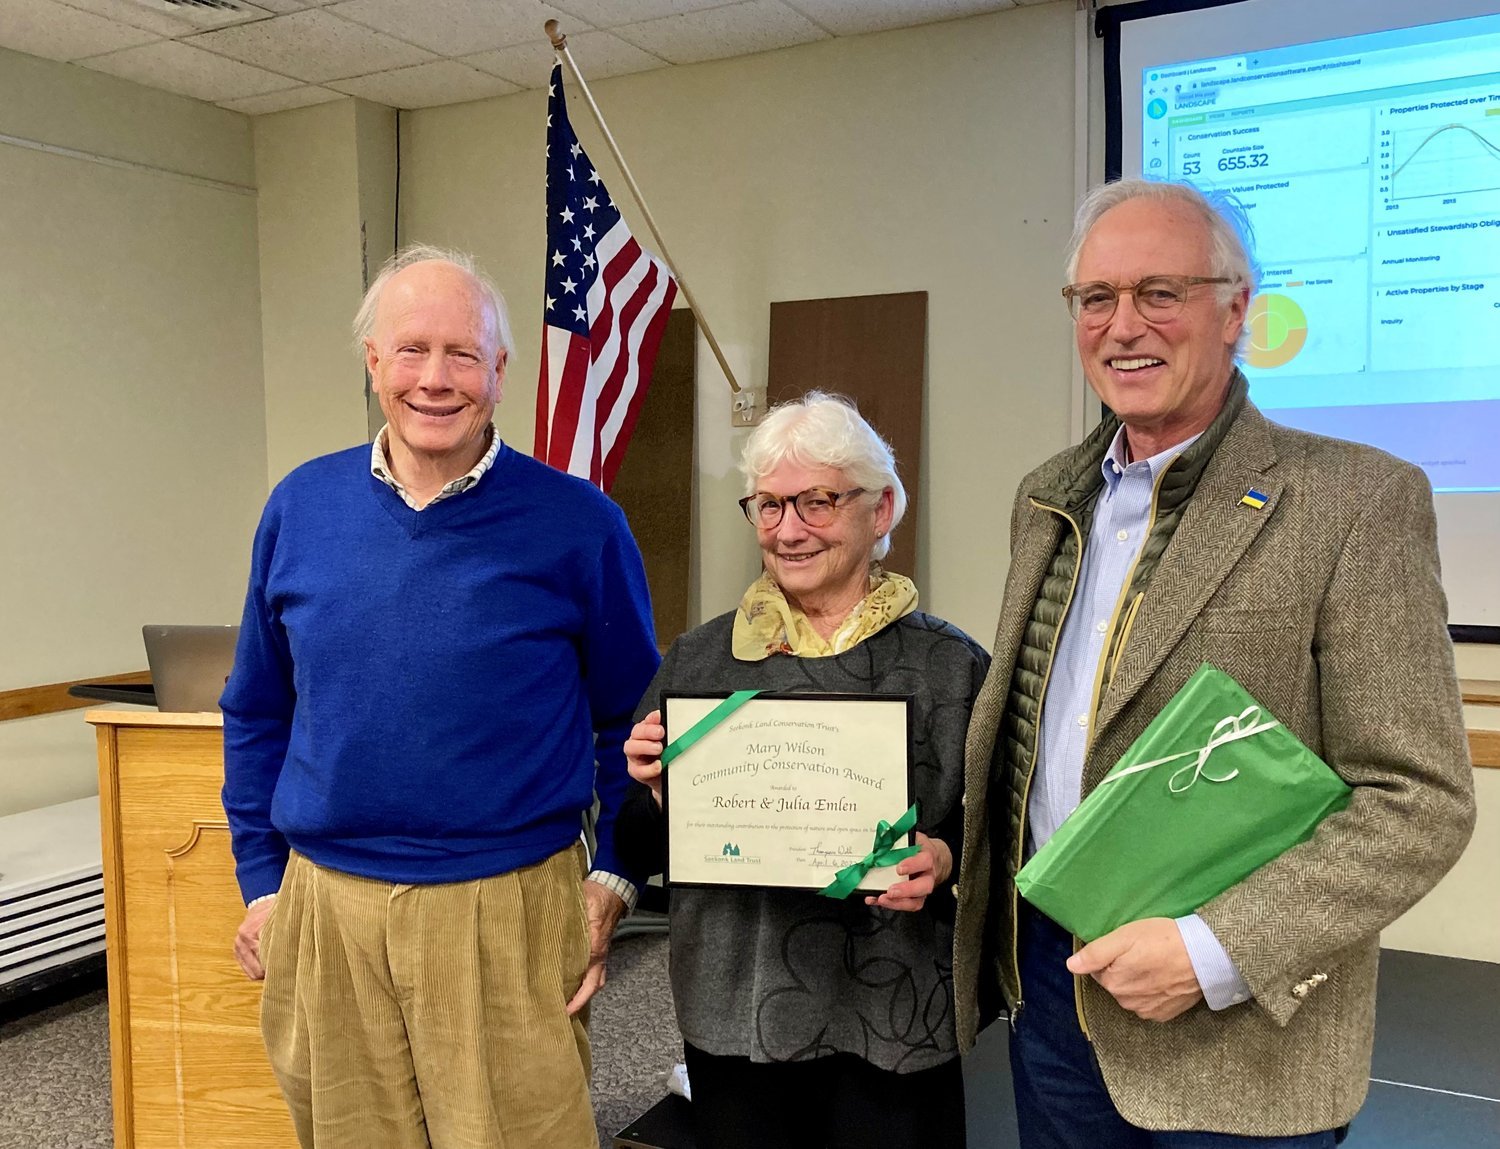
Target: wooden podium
x: 187, y: 1064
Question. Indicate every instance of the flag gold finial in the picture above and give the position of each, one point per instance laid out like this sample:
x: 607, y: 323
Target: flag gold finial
x: 559, y: 41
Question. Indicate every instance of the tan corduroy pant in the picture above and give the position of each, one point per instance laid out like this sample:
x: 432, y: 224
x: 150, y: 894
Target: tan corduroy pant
x: 430, y: 1017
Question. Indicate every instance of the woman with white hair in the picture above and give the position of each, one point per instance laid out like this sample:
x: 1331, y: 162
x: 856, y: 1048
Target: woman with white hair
x: 809, y: 1021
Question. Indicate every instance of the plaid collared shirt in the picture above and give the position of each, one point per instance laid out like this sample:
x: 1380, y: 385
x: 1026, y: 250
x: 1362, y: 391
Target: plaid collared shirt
x: 380, y: 467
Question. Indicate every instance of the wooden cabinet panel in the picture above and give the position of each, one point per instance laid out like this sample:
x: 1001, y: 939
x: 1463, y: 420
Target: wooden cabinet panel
x: 188, y: 1064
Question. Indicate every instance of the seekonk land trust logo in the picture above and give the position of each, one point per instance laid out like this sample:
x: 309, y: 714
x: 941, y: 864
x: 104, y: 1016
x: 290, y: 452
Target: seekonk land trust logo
x: 730, y: 853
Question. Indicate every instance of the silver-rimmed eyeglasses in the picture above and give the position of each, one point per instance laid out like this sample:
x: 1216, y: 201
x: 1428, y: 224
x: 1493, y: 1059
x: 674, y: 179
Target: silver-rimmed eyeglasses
x: 1157, y: 297
x: 814, y: 506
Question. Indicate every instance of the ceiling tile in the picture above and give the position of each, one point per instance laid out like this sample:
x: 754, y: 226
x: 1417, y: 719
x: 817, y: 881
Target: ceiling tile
x: 302, y: 97
x: 735, y: 30
x: 597, y: 54
x: 56, y: 32
x: 612, y: 13
x: 852, y: 17
x: 313, y: 46
x: 454, y: 27
x: 256, y: 51
x: 189, y: 71
x: 151, y: 17
x: 426, y: 85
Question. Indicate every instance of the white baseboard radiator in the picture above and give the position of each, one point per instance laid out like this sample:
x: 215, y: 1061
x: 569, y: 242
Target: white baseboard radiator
x: 51, y: 890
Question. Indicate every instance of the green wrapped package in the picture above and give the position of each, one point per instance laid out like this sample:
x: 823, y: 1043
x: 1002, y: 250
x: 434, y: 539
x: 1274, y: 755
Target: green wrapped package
x: 1213, y: 789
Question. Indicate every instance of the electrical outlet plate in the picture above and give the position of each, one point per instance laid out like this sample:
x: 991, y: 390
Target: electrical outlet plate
x: 747, y: 407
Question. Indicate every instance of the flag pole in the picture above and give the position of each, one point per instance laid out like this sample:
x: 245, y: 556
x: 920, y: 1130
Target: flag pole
x: 560, y: 46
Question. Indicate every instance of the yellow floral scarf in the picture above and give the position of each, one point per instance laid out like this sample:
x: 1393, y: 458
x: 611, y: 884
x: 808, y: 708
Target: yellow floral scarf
x: 767, y: 624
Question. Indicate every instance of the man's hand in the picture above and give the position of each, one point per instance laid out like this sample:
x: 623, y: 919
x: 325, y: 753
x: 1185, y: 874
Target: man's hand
x: 605, y: 908
x: 924, y: 872
x: 1145, y: 967
x: 643, y: 752
x: 247, y: 939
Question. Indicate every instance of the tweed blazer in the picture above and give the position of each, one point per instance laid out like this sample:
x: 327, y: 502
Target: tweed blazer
x: 1326, y: 605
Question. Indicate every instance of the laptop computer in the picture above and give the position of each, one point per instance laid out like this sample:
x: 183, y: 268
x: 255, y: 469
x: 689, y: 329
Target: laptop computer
x: 189, y: 664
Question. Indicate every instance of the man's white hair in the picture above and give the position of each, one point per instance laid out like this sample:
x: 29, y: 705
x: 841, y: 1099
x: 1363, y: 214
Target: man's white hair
x: 822, y: 430
x: 1231, y: 238
x: 364, y: 318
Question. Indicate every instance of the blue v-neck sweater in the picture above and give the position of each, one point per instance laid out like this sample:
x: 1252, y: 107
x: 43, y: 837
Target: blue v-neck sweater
x: 416, y: 694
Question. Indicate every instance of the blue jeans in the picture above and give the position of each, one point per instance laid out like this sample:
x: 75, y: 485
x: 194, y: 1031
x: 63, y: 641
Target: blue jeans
x: 1061, y: 1099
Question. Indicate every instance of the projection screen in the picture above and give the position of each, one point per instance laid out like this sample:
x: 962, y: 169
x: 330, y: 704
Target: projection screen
x: 1364, y: 142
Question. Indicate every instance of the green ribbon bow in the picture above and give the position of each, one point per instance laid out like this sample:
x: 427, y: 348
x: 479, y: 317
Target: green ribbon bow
x: 885, y: 852
x: 697, y: 730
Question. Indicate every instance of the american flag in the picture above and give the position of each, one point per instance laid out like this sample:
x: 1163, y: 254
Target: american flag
x: 606, y: 306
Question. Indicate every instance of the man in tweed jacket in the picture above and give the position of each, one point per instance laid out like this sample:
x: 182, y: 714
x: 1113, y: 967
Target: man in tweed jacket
x: 1189, y: 529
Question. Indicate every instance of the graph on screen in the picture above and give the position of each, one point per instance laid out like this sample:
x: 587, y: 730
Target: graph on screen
x: 1451, y: 159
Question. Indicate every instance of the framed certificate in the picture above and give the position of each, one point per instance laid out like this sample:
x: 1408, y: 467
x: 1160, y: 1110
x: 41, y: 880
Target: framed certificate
x: 785, y: 791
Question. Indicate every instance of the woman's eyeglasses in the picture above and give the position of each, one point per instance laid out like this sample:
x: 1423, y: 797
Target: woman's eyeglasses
x: 814, y: 506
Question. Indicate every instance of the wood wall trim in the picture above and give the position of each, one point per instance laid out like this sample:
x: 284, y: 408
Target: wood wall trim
x: 1481, y: 691
x: 1484, y: 747
x: 29, y: 701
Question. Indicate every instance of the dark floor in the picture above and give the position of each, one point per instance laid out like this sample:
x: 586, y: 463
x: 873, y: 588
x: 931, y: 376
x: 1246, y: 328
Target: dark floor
x: 54, y: 1052
x: 1435, y: 1077
x: 1436, y: 1073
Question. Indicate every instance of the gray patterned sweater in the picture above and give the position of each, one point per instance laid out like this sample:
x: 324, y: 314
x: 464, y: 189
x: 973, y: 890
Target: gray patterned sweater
x: 784, y: 975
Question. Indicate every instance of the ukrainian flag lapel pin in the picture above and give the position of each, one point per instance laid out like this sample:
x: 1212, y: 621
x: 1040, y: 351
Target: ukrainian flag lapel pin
x: 1254, y: 498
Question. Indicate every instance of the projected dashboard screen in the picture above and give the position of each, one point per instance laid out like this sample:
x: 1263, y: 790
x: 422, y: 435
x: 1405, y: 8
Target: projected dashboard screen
x: 1370, y: 170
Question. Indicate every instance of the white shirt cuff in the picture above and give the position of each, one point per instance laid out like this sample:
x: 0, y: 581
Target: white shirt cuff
x: 1217, y: 974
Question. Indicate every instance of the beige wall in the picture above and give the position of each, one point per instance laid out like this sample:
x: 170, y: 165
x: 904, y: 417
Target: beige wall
x: 1458, y: 917
x: 375, y: 141
x: 134, y: 459
x: 311, y: 279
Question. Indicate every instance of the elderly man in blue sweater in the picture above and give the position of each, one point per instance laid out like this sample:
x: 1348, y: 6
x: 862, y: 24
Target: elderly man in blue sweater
x: 442, y: 646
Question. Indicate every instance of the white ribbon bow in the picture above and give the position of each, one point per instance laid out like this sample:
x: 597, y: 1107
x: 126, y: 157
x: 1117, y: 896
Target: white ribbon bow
x: 1230, y: 728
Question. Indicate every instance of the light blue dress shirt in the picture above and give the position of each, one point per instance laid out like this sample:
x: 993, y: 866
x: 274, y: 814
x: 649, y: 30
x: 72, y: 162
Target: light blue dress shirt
x: 1122, y: 518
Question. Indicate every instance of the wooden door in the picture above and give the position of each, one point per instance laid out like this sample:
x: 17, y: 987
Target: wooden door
x: 654, y: 486
x: 873, y: 349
